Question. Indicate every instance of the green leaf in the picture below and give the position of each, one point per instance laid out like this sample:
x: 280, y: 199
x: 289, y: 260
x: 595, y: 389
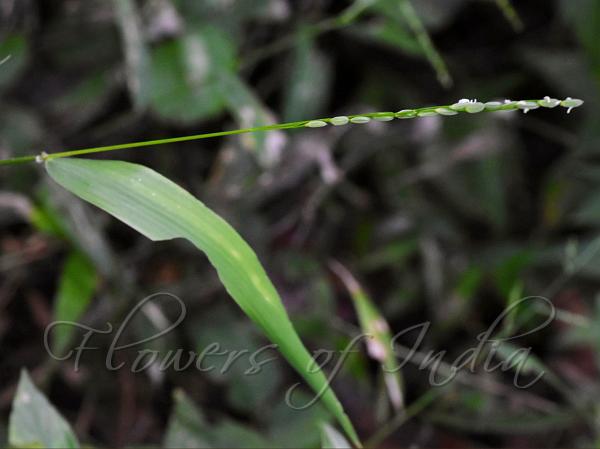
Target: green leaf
x: 34, y: 422
x: 77, y: 285
x: 331, y: 438
x: 161, y: 210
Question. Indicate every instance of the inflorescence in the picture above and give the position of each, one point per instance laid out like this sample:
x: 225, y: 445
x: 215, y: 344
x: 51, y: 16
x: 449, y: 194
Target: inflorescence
x: 464, y: 105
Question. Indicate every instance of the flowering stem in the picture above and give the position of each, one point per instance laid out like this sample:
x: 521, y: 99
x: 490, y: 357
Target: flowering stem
x: 463, y: 106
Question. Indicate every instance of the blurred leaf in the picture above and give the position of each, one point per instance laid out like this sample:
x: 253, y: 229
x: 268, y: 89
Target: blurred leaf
x: 246, y: 392
x: 161, y: 210
x: 20, y: 129
x: 436, y: 13
x: 91, y: 22
x: 77, y: 285
x: 469, y: 283
x: 82, y: 102
x: 15, y: 48
x: 489, y: 186
x: 308, y: 85
x: 34, y: 422
x: 186, y: 73
x: 478, y: 186
x: 188, y: 428
x: 232, y: 13
x: 136, y: 53
x: 588, y: 213
x: 379, y: 341
x: 515, y: 295
x: 520, y: 359
x: 588, y: 334
x: 585, y: 264
x: 291, y: 428
x: 511, y: 14
x: 249, y: 112
x: 331, y: 438
x: 510, y: 269
x: 194, y: 79
x: 230, y: 433
x: 394, y: 253
x: 403, y: 11
x: 388, y: 30
x: 309, y: 284
x: 584, y: 16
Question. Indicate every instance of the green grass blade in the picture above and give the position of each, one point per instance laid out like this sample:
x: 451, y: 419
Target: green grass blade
x: 374, y: 325
x: 431, y: 52
x: 76, y: 288
x: 511, y: 14
x: 161, y: 210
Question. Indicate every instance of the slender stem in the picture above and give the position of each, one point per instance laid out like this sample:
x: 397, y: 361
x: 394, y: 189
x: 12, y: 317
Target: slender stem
x: 148, y: 143
x: 18, y: 160
x: 410, y: 113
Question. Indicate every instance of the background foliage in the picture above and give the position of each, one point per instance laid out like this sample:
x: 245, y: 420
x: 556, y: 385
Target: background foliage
x: 439, y: 220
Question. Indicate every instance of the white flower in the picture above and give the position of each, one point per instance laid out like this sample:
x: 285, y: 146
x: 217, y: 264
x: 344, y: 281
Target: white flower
x: 548, y: 102
x: 460, y: 106
x: 571, y: 103
x: 527, y: 105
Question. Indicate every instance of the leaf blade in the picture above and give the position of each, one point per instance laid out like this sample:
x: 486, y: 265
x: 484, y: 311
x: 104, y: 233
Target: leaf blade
x: 373, y: 324
x: 77, y: 285
x: 161, y: 210
x: 34, y: 421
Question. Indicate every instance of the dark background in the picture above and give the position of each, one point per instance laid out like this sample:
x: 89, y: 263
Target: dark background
x: 442, y: 220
